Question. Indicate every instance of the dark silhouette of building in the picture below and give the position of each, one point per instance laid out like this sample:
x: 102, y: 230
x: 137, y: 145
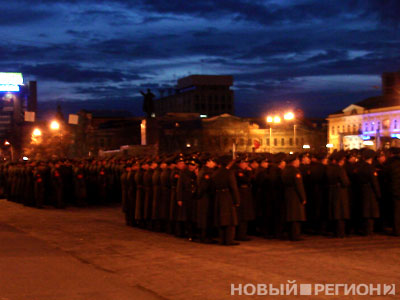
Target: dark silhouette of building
x: 209, y: 95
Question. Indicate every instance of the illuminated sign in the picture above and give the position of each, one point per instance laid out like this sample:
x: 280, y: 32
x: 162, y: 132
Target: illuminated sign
x: 11, y: 78
x: 365, y: 137
x: 395, y: 135
x: 9, y: 88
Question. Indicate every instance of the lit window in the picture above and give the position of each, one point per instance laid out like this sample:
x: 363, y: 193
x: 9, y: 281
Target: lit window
x: 366, y: 126
x: 395, y: 124
x: 333, y: 129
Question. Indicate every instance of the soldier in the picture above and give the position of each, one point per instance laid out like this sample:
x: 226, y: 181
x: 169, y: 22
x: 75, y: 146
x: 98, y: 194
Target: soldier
x: 317, y: 205
x: 186, y: 190
x: 369, y: 190
x: 205, y: 204
x: 148, y: 192
x: 57, y: 186
x: 175, y: 174
x: 156, y: 182
x: 140, y: 194
x: 80, y: 186
x: 276, y: 192
x: 394, y: 183
x: 294, y: 197
x: 131, y: 194
x: 224, y: 188
x: 246, y: 211
x: 264, y: 201
x: 382, y: 169
x: 126, y: 209
x: 165, y: 193
x: 338, y: 196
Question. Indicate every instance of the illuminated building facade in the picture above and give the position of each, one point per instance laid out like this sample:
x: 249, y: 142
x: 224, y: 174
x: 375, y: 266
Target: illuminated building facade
x: 203, y: 94
x: 16, y: 98
x: 373, y: 122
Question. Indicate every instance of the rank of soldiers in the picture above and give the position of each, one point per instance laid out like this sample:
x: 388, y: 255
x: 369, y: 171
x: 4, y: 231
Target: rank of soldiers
x: 203, y: 197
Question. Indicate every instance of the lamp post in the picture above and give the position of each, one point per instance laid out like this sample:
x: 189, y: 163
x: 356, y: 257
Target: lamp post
x: 270, y: 120
x: 55, y: 126
x: 289, y: 116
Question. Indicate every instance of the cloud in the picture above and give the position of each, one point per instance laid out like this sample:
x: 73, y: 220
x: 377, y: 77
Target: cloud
x: 76, y: 74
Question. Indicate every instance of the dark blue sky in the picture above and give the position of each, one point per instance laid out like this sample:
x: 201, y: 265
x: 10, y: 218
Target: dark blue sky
x: 317, y: 55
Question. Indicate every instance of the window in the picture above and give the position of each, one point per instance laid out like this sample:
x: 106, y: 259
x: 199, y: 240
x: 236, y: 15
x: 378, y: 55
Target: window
x: 348, y: 128
x: 283, y: 142
x: 267, y: 142
x: 354, y: 128
x: 372, y: 126
x: 395, y: 124
x: 291, y: 140
x: 338, y: 129
x: 333, y: 129
x: 343, y: 128
x: 379, y: 126
x: 275, y: 141
x: 297, y: 141
x: 366, y: 126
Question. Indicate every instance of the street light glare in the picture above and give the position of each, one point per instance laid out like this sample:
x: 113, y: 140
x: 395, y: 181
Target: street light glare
x: 277, y: 119
x: 54, y: 125
x: 269, y: 119
x: 289, y: 116
x: 37, y: 132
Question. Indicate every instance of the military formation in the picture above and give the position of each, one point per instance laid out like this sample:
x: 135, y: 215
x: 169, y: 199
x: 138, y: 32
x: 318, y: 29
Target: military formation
x: 212, y: 199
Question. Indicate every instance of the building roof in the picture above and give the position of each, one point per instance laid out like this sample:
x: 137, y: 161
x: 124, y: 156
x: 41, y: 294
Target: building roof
x: 202, y: 80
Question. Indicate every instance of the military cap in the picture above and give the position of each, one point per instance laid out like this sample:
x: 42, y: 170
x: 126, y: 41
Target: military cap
x: 340, y: 155
x: 192, y: 160
x: 279, y: 157
x: 368, y: 153
x: 224, y: 160
x: 291, y: 157
x: 394, y: 150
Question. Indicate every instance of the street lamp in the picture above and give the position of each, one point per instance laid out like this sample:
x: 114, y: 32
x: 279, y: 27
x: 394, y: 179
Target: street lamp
x: 54, y: 125
x: 37, y: 132
x: 288, y: 116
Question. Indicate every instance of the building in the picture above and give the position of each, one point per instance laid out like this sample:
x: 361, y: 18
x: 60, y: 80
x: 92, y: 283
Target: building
x: 208, y: 95
x: 105, y: 130
x: 226, y: 133
x: 373, y: 122
x: 16, y: 98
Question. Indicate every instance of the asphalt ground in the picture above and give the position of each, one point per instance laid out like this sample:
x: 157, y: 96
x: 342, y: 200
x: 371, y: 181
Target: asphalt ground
x: 89, y: 253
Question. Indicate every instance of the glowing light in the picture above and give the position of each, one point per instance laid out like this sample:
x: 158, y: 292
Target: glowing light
x: 36, y: 132
x: 9, y: 88
x: 306, y: 147
x: 288, y: 116
x: 329, y: 145
x: 368, y: 143
x: 395, y: 135
x: 291, y: 152
x: 277, y: 119
x: 25, y: 158
x: 7, y: 143
x: 54, y: 125
x: 203, y: 116
x: 270, y: 119
x: 8, y: 78
x: 365, y: 137
x: 188, y: 145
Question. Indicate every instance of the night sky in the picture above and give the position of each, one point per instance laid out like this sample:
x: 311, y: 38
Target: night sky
x: 316, y: 55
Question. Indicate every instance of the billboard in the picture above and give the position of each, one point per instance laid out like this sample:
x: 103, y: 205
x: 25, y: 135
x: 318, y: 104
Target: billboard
x: 10, y: 82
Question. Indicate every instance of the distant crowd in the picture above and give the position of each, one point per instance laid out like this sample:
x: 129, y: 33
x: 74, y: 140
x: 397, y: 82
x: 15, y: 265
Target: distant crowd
x: 212, y: 199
